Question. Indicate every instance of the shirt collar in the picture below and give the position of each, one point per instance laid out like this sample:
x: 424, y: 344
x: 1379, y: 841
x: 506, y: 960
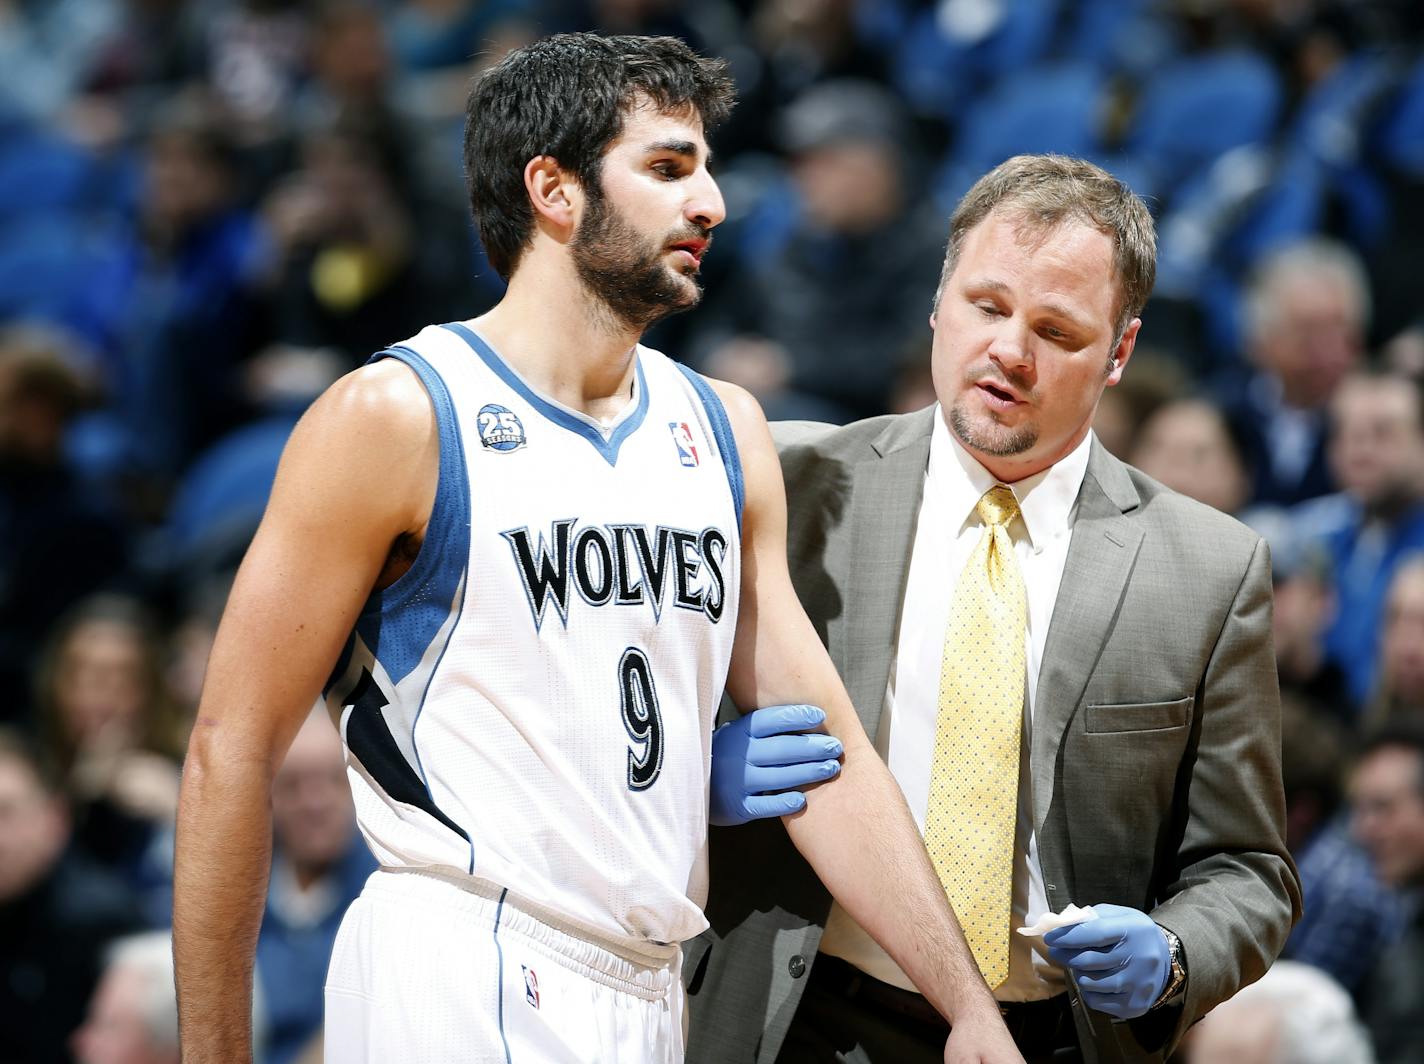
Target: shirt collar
x: 957, y: 482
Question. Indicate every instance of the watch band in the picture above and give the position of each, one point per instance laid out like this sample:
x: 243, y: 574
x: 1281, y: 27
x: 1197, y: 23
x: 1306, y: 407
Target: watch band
x: 1177, y: 979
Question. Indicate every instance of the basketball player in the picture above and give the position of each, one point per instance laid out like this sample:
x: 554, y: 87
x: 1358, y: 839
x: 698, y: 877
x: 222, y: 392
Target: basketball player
x: 522, y: 555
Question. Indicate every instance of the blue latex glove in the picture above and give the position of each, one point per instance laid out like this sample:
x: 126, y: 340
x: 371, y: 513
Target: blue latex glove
x: 765, y: 752
x: 1120, y: 961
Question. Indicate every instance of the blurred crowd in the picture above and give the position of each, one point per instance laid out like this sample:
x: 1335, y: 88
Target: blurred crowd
x: 210, y: 209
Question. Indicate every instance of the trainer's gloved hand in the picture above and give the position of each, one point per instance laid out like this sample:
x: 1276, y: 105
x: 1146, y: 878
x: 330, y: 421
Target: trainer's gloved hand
x: 1120, y: 961
x: 765, y: 752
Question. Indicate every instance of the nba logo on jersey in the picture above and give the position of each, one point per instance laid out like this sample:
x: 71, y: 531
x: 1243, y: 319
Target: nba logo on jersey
x: 531, y: 986
x: 500, y: 428
x: 682, y: 436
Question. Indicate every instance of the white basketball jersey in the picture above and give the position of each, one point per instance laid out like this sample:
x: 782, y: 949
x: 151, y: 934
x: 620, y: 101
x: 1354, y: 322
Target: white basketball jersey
x: 532, y: 704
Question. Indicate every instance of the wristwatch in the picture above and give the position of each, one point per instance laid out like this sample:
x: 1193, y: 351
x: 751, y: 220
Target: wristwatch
x: 1176, y: 981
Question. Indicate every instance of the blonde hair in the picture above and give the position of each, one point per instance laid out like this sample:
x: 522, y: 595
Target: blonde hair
x: 1311, y: 257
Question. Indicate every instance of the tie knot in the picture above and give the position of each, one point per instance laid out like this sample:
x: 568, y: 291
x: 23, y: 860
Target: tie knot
x: 998, y: 506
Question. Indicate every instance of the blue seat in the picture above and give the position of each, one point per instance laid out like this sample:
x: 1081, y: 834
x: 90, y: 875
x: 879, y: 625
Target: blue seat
x: 1048, y: 109
x: 1401, y: 134
x: 1127, y: 36
x: 46, y: 263
x: 770, y: 220
x: 1346, y: 124
x: 1226, y: 218
x: 881, y: 24
x: 1330, y: 122
x: 1220, y: 226
x: 224, y: 491
x: 939, y: 65
x: 42, y: 172
x: 1198, y: 108
x: 1290, y: 208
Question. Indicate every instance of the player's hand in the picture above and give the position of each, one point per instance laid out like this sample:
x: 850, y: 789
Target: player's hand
x: 981, y: 1040
x: 760, y: 760
x: 1120, y: 961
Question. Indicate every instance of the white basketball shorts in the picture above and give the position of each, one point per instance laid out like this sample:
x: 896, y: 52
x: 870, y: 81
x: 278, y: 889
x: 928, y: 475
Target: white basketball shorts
x: 426, y: 972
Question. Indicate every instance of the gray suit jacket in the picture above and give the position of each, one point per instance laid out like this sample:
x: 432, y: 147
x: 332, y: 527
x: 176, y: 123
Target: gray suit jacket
x: 1155, y: 748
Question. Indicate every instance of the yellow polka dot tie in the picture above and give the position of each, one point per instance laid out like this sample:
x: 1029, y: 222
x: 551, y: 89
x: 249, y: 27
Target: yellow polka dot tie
x: 974, y: 784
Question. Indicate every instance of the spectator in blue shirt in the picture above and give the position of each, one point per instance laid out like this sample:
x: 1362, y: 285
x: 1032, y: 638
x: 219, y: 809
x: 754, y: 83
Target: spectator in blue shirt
x: 172, y: 304
x: 1308, y: 309
x: 319, y: 864
x: 1350, y: 915
x: 1377, y: 451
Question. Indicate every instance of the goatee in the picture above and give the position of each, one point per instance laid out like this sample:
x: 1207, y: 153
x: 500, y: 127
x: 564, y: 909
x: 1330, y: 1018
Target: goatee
x: 1001, y: 441
x: 981, y: 431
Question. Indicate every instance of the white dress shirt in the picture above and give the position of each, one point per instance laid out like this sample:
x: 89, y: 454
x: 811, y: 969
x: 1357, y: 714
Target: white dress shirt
x: 945, y: 535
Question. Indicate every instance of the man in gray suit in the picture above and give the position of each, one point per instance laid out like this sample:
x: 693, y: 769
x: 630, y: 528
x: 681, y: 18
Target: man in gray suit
x: 1143, y: 742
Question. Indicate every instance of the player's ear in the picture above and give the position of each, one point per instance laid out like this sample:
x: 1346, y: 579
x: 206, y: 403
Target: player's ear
x: 553, y: 192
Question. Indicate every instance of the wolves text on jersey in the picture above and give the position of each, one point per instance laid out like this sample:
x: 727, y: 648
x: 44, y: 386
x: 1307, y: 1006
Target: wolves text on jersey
x: 622, y: 565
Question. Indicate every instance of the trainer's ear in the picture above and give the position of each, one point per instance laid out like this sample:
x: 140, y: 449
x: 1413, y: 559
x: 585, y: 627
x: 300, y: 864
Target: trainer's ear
x: 1117, y: 361
x: 553, y: 192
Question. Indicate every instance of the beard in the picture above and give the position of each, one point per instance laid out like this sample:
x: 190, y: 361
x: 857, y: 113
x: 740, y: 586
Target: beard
x: 626, y: 273
x: 979, y: 431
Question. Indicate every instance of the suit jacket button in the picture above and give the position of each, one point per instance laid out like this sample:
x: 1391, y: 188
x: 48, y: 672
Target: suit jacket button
x: 796, y: 966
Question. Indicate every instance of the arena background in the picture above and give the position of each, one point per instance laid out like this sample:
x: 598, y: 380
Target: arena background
x: 210, y: 209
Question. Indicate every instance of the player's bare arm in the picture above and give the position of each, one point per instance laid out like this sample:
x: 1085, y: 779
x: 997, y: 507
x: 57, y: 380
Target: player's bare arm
x: 856, y: 830
x: 350, y: 503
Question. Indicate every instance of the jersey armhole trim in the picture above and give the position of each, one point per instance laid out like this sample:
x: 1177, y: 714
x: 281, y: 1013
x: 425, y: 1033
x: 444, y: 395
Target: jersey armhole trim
x: 450, y: 510
x: 722, y: 432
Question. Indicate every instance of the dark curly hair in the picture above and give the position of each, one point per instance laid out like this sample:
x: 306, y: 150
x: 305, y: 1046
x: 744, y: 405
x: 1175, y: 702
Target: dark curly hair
x: 566, y: 97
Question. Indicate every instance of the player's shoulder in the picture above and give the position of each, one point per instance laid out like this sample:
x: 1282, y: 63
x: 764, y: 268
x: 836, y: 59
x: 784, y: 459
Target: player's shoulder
x: 373, y: 428
x: 741, y: 407
x: 740, y: 413
x: 377, y: 421
x: 811, y: 442
x: 385, y: 393
x: 390, y: 383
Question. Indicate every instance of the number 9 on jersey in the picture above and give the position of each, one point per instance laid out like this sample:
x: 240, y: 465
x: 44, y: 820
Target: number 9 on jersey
x: 642, y: 718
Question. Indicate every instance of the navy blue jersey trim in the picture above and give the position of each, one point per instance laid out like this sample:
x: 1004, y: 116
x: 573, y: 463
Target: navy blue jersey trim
x: 609, y: 447
x: 499, y: 974
x: 429, y: 585
x: 400, y: 623
x: 722, y: 433
x: 368, y: 734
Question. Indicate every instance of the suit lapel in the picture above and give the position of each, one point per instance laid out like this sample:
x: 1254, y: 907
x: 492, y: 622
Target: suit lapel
x: 885, y: 500
x: 1100, y: 558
